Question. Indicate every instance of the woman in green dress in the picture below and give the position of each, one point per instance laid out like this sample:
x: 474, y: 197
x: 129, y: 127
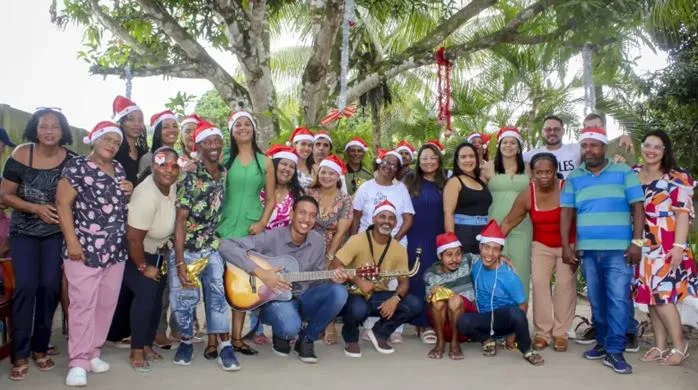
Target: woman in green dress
x: 506, y: 178
x: 249, y: 172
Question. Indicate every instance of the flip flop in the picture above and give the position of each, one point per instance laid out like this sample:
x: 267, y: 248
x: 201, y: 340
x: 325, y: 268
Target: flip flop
x: 19, y: 373
x: 45, y: 363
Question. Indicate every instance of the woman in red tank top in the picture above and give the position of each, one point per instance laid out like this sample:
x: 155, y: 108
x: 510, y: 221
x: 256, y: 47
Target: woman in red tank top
x: 552, y: 313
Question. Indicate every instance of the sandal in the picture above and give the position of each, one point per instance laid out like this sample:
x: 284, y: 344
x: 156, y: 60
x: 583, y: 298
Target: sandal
x: 654, y: 354
x: 52, y: 350
x: 428, y: 336
x: 684, y: 355
x: 153, y: 356
x: 243, y: 348
x: 140, y: 366
x: 534, y: 357
x: 211, y: 352
x: 489, y: 348
x: 19, y: 373
x: 45, y: 363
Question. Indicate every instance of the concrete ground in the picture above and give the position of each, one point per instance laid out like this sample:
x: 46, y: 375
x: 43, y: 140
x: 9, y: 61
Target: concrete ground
x: 407, y: 368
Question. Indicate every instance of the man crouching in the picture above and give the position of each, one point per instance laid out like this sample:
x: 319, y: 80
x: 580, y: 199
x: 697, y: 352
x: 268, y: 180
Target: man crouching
x: 500, y: 300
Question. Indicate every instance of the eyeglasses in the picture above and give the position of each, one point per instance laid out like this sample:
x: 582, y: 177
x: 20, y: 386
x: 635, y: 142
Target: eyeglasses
x: 41, y: 108
x: 169, y: 165
x: 390, y: 165
x: 648, y: 146
x: 552, y: 129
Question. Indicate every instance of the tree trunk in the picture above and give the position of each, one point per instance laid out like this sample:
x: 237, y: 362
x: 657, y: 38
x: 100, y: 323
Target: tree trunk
x: 376, y: 119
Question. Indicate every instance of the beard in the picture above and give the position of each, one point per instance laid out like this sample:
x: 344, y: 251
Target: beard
x: 385, y: 230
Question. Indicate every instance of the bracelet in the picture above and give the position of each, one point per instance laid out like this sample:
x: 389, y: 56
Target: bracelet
x: 398, y: 298
x: 329, y: 257
x: 180, y: 263
x: 682, y: 246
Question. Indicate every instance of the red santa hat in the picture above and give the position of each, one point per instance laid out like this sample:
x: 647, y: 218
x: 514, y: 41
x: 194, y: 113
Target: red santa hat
x: 508, y: 132
x: 404, y: 145
x: 380, y: 153
x: 282, y: 151
x: 193, y: 118
x: 394, y: 153
x: 204, y: 130
x: 384, y: 206
x: 123, y: 106
x: 445, y: 241
x: 322, y: 134
x: 301, y: 134
x: 491, y: 233
x: 334, y: 163
x: 596, y: 133
x: 469, y: 139
x: 235, y: 116
x: 357, y: 141
x: 101, y: 129
x: 438, y: 145
x: 161, y: 116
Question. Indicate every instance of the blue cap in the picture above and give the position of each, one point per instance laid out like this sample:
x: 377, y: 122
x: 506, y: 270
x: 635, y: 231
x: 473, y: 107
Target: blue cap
x: 5, y: 138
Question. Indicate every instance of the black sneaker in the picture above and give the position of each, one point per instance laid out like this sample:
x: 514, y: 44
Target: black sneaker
x: 588, y: 337
x: 632, y: 343
x: 281, y: 346
x: 306, y: 351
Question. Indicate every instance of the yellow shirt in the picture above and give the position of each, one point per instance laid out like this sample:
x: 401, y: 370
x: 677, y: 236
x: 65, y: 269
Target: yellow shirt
x: 153, y: 212
x: 356, y: 253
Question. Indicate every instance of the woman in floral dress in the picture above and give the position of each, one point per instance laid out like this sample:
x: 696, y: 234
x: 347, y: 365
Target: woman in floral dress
x: 335, y: 214
x: 666, y: 275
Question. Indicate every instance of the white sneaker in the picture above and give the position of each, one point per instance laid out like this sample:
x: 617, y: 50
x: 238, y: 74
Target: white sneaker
x: 99, y: 366
x: 77, y: 377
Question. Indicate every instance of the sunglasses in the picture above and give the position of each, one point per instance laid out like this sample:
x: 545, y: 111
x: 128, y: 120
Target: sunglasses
x: 41, y: 108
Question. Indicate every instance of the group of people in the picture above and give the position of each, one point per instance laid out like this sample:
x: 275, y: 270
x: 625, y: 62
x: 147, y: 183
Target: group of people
x: 128, y: 234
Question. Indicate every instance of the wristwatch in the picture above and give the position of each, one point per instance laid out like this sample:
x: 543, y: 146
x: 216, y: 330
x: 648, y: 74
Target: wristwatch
x: 638, y: 242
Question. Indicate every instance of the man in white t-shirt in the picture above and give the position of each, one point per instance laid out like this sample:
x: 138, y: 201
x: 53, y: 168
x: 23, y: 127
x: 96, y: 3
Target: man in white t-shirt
x: 568, y: 155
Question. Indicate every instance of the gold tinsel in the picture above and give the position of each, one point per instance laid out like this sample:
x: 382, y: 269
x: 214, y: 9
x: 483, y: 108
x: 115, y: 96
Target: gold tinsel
x: 440, y: 294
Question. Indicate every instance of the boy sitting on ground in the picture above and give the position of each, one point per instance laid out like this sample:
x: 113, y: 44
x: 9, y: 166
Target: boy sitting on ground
x: 500, y: 300
x: 450, y: 293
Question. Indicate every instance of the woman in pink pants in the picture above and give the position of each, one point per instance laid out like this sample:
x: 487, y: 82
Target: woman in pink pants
x: 92, y: 200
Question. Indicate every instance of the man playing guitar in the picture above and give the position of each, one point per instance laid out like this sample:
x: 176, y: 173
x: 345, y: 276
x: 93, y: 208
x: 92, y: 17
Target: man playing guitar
x: 376, y: 247
x: 316, y: 303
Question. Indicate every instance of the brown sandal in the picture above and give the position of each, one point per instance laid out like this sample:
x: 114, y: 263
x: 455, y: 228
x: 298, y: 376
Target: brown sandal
x: 534, y: 357
x: 489, y: 348
x: 45, y: 363
x: 19, y: 373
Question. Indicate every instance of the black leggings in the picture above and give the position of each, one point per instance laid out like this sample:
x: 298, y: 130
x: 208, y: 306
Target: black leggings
x: 146, y: 305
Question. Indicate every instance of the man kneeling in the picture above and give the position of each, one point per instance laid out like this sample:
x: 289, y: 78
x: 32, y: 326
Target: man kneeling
x: 500, y: 300
x: 376, y: 247
x: 315, y: 303
x: 450, y: 293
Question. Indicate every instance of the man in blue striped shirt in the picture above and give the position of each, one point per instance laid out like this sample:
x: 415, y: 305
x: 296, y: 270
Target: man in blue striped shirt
x: 602, y: 196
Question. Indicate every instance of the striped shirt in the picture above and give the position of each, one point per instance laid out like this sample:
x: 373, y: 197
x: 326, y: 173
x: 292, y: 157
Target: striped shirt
x: 458, y: 281
x: 602, y: 202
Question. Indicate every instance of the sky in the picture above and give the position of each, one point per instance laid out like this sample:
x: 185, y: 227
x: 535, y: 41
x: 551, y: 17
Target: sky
x: 41, y: 68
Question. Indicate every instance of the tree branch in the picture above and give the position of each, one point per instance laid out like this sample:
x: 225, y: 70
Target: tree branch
x: 229, y: 89
x: 185, y: 71
x: 419, y: 55
x: 112, y: 25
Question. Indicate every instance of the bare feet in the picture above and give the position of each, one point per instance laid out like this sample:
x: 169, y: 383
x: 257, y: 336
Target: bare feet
x: 455, y: 353
x: 437, y: 352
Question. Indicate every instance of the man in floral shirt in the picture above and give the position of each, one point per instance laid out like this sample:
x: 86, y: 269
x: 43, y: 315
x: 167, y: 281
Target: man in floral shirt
x: 199, y: 198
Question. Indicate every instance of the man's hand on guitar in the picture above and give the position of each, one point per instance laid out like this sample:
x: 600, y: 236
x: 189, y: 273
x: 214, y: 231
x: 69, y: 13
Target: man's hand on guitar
x: 271, y: 279
x: 340, y: 276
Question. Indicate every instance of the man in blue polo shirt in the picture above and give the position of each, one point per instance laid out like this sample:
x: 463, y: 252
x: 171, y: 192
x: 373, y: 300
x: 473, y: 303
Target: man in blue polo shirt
x: 603, y: 196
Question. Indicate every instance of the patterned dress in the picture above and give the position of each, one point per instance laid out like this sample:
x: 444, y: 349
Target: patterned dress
x: 654, y: 282
x: 326, y: 223
x: 281, y: 216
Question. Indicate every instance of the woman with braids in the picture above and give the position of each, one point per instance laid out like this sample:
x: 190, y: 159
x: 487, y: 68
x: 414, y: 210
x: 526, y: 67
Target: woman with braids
x: 249, y: 172
x: 552, y: 311
x: 129, y: 117
x: 165, y: 133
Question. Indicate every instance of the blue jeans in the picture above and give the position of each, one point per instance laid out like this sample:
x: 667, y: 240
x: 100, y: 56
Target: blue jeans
x: 359, y: 308
x: 608, y: 278
x: 318, y: 306
x: 183, y: 301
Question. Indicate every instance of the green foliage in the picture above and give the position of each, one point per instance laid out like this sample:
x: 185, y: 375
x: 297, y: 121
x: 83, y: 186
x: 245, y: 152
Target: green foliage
x: 179, y: 102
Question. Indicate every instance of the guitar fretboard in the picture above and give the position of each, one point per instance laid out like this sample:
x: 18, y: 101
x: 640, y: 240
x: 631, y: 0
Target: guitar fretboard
x: 312, y: 275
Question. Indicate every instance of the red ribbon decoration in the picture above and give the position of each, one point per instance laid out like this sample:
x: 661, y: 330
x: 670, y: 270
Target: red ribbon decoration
x: 335, y: 114
x: 444, y: 89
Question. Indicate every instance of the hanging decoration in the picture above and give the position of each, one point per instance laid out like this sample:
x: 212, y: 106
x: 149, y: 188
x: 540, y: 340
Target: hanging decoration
x: 129, y: 80
x: 589, y: 91
x: 344, y: 61
x: 335, y: 114
x: 444, y: 90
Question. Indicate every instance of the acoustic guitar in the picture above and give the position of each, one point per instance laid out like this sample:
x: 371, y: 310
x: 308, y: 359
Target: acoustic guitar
x: 247, y: 292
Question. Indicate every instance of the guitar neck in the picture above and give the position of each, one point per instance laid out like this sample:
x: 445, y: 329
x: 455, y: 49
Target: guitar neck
x: 393, y: 274
x: 310, y: 276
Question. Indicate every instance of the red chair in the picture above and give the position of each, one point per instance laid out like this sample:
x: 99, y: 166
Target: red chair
x: 7, y: 276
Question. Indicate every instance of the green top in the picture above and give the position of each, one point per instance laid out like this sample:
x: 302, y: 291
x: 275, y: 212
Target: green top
x: 242, y: 206
x: 355, y: 179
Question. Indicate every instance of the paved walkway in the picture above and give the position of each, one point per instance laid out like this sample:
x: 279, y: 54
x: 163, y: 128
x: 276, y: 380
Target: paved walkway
x: 408, y: 368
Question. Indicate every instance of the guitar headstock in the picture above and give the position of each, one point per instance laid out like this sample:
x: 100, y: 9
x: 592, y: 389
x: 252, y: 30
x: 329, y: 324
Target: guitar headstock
x: 368, y: 271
